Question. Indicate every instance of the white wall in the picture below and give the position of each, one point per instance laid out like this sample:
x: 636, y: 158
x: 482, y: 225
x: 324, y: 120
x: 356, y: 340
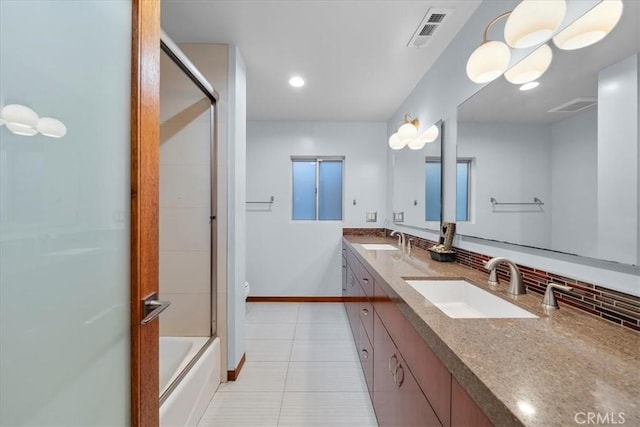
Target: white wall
x: 574, y: 176
x: 511, y: 163
x: 301, y: 258
x: 437, y: 96
x: 223, y: 66
x: 236, y: 267
x: 617, y: 161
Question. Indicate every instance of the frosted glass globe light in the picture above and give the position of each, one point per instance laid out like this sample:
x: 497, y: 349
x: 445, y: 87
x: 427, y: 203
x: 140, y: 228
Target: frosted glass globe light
x: 21, y: 130
x: 531, y: 67
x: 19, y: 117
x: 49, y: 126
x: 529, y: 86
x: 407, y: 132
x: 1, y: 119
x: 395, y: 143
x: 430, y: 134
x: 533, y: 22
x: 488, y: 62
x: 416, y: 143
x: 591, y: 27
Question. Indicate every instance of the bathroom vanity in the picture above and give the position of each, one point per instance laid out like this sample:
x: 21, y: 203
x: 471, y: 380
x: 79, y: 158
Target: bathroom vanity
x: 424, y: 368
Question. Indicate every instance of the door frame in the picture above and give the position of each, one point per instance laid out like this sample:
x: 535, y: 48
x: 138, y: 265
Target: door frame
x: 145, y: 177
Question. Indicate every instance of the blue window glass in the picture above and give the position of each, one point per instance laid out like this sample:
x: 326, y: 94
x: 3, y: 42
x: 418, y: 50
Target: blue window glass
x: 330, y: 191
x: 432, y: 190
x: 304, y: 190
x: 462, y: 191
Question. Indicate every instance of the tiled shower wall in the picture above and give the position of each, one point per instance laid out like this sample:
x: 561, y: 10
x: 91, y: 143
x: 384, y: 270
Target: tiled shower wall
x: 613, y: 306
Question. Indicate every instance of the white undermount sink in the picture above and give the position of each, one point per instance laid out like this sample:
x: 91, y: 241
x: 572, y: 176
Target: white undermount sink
x: 378, y: 247
x: 462, y: 300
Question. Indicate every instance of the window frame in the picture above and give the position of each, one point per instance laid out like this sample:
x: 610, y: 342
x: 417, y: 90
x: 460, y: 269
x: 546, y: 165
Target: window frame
x: 318, y: 160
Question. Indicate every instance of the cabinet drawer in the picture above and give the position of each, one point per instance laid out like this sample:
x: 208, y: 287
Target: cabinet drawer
x: 366, y: 281
x: 366, y: 317
x: 365, y: 352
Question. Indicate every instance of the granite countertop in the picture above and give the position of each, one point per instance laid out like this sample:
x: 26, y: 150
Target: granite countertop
x: 533, y: 372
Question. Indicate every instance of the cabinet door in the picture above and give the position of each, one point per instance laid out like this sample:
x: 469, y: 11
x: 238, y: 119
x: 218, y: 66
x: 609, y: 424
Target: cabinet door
x: 397, y: 399
x: 344, y: 275
x: 384, y: 386
x: 464, y: 411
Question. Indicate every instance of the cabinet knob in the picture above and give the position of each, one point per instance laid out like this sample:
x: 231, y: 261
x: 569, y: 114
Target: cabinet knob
x: 393, y: 364
x: 399, y: 376
x: 365, y: 311
x: 365, y: 280
x: 365, y: 354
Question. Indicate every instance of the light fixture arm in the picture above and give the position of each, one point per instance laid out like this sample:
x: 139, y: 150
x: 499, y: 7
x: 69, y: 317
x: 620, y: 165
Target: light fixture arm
x: 491, y: 24
x: 409, y: 119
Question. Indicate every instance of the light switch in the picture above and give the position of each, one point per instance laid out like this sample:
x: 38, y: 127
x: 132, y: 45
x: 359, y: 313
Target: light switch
x: 398, y: 217
x: 372, y: 216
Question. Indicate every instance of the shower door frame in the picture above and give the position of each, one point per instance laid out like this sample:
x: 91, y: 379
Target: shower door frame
x: 173, y: 51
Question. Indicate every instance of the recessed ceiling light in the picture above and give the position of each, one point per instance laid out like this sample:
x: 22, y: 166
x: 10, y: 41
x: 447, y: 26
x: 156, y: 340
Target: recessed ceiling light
x: 529, y: 86
x: 296, y: 81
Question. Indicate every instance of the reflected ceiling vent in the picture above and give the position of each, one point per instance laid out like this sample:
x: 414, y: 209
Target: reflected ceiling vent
x: 429, y: 25
x: 575, y: 105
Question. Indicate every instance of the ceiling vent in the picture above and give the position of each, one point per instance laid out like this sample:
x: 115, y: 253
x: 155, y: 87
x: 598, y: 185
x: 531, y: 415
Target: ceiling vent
x: 575, y: 105
x: 429, y: 25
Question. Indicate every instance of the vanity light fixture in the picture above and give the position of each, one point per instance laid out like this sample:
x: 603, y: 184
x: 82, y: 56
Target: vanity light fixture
x: 49, y: 126
x: 20, y: 120
x: 591, y: 27
x: 533, y: 22
x: 531, y: 67
x: 491, y: 59
x: 529, y: 86
x: 407, y: 135
x: 296, y: 81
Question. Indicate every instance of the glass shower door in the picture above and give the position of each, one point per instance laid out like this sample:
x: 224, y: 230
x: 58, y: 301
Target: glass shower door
x: 64, y: 213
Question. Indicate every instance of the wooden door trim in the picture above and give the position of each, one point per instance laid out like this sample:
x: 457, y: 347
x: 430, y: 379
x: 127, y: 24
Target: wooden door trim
x: 145, y: 128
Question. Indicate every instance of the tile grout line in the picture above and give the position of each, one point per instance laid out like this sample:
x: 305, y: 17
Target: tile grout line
x: 286, y: 376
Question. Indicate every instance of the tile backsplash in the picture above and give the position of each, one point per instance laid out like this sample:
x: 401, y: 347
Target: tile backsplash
x: 613, y: 306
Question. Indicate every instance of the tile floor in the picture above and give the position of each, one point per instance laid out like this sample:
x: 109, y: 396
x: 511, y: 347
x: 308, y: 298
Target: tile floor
x: 302, y: 370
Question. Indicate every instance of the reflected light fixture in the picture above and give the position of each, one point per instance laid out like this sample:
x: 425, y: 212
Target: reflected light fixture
x: 49, y: 126
x: 296, y: 81
x: 531, y: 67
x: 20, y: 120
x: 491, y: 59
x: 591, y: 27
x: 529, y: 86
x: 395, y: 143
x: 533, y: 22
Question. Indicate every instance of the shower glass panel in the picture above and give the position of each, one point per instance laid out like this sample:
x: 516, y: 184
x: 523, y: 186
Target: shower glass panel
x: 186, y: 135
x: 64, y: 214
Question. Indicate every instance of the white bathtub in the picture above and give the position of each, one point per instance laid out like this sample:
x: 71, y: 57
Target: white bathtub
x: 188, y: 401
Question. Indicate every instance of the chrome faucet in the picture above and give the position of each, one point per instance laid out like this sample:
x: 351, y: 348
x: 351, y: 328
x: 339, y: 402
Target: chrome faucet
x: 401, y: 238
x: 516, y: 287
x: 550, y: 298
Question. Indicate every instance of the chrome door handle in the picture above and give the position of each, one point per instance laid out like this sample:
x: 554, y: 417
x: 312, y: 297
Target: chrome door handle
x: 153, y: 308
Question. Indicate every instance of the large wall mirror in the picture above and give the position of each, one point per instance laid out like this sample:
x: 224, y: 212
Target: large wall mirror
x: 417, y: 184
x: 556, y: 167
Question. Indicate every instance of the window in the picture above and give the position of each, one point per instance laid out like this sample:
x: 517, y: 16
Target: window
x: 317, y: 189
x: 433, y: 174
x: 463, y: 177
x: 433, y: 185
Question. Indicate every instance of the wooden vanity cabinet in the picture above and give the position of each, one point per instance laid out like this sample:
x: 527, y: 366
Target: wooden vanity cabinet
x: 408, y: 384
